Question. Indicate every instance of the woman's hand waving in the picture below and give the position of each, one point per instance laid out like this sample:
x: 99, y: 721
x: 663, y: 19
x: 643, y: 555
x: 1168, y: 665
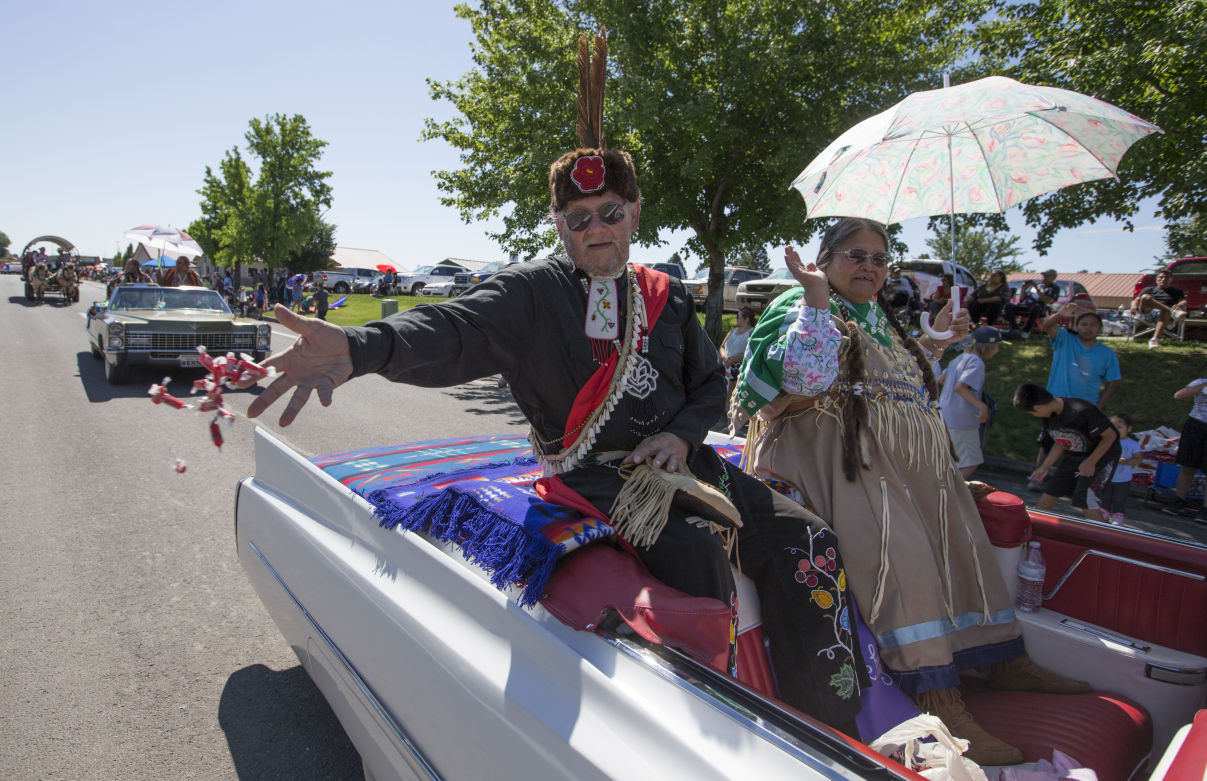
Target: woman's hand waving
x: 811, y: 278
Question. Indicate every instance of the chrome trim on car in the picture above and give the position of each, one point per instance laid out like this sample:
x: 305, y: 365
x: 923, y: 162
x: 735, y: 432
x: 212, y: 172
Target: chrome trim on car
x: 1174, y: 675
x: 1123, y: 559
x: 777, y: 726
x: 1103, y: 634
x: 213, y: 341
x: 379, y: 709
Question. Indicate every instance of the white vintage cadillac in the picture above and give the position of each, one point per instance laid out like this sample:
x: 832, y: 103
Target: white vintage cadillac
x: 434, y: 672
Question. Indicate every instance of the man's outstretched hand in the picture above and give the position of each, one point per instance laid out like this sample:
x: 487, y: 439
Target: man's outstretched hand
x: 318, y: 361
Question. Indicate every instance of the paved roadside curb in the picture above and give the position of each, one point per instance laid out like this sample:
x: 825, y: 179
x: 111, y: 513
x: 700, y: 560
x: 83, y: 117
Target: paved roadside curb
x: 1010, y: 466
x: 1002, y: 464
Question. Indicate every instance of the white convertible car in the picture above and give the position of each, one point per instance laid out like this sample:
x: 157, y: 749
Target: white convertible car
x: 436, y: 673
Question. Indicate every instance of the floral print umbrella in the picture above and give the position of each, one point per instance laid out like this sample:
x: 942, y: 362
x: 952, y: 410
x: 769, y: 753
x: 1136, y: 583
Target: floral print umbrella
x: 983, y: 146
x: 168, y: 242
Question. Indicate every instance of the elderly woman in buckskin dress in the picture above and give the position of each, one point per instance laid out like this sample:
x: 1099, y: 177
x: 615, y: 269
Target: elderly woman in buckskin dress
x: 844, y: 409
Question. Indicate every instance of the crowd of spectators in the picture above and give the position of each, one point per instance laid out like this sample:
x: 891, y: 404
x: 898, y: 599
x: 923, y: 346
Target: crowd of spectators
x: 1085, y: 452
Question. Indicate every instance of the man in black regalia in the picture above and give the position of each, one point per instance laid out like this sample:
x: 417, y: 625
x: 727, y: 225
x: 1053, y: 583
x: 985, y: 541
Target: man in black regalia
x: 608, y: 362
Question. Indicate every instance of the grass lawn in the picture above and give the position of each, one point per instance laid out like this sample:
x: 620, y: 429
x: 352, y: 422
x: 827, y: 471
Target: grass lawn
x: 1150, y: 378
x: 360, y: 308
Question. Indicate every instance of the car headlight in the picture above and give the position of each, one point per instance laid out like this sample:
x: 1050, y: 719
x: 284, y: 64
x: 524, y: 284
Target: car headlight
x: 476, y: 278
x: 117, y: 333
x: 263, y: 336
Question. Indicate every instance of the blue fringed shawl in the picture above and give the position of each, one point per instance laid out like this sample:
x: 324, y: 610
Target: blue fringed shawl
x: 502, y: 527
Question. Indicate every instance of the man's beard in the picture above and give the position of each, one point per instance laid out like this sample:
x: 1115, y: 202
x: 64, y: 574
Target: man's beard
x: 606, y: 266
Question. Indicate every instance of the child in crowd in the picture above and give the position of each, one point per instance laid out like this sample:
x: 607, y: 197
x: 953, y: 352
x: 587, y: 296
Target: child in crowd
x: 1085, y: 451
x: 1192, y: 448
x: 320, y: 301
x: 964, y: 410
x: 261, y: 299
x: 1114, y: 497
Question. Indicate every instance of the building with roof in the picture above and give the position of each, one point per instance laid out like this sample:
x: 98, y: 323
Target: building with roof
x: 1109, y: 291
x: 465, y: 263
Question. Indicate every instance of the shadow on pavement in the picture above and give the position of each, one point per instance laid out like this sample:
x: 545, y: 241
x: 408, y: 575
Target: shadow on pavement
x: 485, y: 398
x: 278, y: 725
x: 91, y: 372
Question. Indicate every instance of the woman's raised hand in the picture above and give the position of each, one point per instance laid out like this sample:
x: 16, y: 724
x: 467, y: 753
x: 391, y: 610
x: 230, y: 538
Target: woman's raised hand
x: 811, y: 278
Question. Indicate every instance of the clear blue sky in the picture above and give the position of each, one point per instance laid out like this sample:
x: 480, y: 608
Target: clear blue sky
x: 111, y: 111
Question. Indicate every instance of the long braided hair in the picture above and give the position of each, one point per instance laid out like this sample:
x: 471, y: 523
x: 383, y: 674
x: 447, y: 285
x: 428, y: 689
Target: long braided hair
x: 854, y: 410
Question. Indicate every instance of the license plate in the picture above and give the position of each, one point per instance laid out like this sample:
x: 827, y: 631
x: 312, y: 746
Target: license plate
x: 190, y: 360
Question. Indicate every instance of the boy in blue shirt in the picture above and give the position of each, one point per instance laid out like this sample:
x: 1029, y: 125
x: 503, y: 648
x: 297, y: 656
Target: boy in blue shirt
x: 1082, y: 366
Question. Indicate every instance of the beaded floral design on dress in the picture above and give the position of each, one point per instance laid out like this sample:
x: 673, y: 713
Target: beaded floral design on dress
x: 817, y: 569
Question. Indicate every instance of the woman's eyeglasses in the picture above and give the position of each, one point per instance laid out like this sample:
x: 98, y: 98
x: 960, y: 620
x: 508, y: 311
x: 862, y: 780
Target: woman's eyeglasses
x: 579, y: 219
x: 857, y: 255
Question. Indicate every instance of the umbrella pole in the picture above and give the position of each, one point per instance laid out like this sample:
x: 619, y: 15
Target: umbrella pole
x: 951, y: 184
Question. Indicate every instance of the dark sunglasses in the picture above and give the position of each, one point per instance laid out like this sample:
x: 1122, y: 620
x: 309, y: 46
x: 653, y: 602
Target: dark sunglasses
x: 579, y: 219
x: 857, y: 255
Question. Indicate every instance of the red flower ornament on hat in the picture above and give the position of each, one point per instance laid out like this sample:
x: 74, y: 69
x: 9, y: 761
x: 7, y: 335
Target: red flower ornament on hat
x: 588, y: 173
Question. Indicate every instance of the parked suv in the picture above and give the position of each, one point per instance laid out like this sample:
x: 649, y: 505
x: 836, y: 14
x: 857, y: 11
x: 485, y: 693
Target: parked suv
x: 1189, y: 276
x: 670, y: 269
x: 759, y: 293
x: 342, y: 280
x: 734, y: 276
x: 412, y: 283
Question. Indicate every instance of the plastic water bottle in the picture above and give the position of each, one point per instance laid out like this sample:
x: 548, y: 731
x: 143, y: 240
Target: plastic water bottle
x: 1031, y: 570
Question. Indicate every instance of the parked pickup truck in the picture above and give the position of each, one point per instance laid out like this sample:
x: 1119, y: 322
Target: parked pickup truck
x: 464, y: 280
x: 415, y: 649
x: 344, y: 280
x: 734, y: 276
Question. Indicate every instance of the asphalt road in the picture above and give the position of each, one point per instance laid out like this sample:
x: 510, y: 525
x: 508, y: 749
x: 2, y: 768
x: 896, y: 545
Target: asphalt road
x: 131, y: 645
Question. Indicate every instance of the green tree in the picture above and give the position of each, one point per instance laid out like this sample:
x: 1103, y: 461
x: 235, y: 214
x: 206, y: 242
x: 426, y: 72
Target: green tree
x: 1144, y: 56
x: 977, y: 249
x: 1187, y: 238
x: 129, y: 253
x: 270, y: 213
x: 721, y: 103
x: 754, y: 258
x: 4, y: 242
x: 222, y: 230
x: 316, y: 253
x: 677, y: 259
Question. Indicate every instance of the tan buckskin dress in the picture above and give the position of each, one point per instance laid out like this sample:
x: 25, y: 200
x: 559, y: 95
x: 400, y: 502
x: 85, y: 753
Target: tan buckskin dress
x: 918, y: 560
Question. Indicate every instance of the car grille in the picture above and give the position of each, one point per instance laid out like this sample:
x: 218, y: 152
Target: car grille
x: 461, y: 279
x: 217, y: 343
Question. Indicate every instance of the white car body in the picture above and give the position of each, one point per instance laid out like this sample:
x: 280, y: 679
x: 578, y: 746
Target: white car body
x: 434, y: 673
x: 442, y: 288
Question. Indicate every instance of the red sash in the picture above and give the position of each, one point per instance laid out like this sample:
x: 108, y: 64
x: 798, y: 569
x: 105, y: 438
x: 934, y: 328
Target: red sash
x: 655, y: 288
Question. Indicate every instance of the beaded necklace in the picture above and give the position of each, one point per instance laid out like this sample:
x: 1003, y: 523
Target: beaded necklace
x: 631, y: 369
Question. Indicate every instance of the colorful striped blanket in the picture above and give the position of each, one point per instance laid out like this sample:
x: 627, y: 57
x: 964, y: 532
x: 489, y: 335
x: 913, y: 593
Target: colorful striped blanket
x: 476, y: 492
